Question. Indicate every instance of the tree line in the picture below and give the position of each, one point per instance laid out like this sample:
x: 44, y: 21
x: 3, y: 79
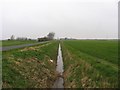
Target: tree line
x: 50, y: 36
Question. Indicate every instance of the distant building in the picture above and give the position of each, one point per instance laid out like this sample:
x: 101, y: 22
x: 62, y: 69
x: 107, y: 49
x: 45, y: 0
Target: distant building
x: 21, y: 38
x: 43, y: 39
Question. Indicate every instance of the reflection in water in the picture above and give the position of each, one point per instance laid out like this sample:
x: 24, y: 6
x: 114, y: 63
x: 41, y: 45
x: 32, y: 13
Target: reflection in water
x: 59, y: 82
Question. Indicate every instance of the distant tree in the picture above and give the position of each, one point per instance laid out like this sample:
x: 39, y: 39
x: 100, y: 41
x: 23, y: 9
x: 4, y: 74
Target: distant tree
x: 26, y: 39
x: 29, y: 39
x: 51, y: 35
x: 66, y: 38
x: 12, y: 37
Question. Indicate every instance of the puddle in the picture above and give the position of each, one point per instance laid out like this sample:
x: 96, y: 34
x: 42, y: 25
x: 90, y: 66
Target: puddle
x: 59, y: 68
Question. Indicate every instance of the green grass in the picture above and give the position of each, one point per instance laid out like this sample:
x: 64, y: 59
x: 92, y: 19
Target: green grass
x: 101, y: 49
x: 16, y: 42
x: 0, y: 69
x: 30, y: 67
x: 90, y: 63
x: 0, y: 43
x: 87, y: 63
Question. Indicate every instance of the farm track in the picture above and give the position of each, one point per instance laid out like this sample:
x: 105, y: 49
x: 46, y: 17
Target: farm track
x: 6, y: 48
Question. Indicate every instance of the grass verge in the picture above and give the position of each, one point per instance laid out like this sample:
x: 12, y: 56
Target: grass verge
x: 30, y: 67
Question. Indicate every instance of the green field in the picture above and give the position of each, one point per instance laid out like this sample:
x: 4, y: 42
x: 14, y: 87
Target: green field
x: 90, y: 63
x: 30, y: 67
x: 0, y: 69
x: 87, y: 64
x: 16, y: 42
x: 0, y: 43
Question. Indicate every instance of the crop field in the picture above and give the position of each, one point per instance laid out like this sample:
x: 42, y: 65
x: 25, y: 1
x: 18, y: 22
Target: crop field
x: 30, y: 67
x: 90, y: 63
x: 16, y: 42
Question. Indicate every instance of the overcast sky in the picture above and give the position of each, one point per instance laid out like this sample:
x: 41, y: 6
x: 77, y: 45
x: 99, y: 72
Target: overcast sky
x: 67, y: 18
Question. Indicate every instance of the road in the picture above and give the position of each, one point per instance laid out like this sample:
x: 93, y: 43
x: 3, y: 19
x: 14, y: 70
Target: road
x: 6, y: 48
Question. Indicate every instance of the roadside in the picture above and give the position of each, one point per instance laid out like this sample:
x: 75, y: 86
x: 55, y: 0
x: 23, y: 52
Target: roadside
x: 30, y: 67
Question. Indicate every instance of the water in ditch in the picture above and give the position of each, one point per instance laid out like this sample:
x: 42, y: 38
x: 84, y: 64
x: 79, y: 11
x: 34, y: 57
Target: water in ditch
x: 59, y: 68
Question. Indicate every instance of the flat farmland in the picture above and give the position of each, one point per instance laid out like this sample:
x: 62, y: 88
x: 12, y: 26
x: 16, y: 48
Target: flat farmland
x: 30, y: 67
x: 86, y: 64
x: 90, y: 63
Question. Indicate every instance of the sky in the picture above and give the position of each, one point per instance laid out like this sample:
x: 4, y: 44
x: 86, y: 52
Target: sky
x: 67, y: 18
